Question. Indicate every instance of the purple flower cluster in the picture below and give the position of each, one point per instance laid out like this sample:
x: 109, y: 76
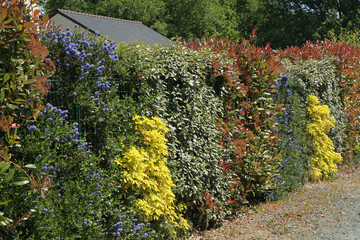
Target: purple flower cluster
x: 104, y: 85
x: 82, y: 52
x: 100, y: 70
x: 74, y: 137
x: 49, y: 170
x: 86, y: 68
x: 93, y: 174
x: 54, y: 112
x: 99, y: 97
x: 97, y: 193
x: 75, y: 134
x: 282, y: 83
x: 291, y: 167
x: 45, y: 210
x: 140, y: 229
x: 51, y: 113
x: 32, y: 128
x: 118, y: 228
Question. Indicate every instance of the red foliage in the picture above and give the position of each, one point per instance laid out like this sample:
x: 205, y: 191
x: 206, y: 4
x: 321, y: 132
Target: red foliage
x: 209, y: 204
x: 42, y: 84
x: 249, y: 80
x: 4, y: 124
x: 39, y: 51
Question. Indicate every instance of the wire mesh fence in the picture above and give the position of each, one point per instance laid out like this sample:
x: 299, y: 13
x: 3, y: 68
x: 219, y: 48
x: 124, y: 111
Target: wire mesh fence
x: 60, y: 96
x: 63, y: 93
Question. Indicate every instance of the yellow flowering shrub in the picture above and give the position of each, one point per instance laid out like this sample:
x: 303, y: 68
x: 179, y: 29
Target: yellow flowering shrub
x: 324, y: 158
x: 145, y: 168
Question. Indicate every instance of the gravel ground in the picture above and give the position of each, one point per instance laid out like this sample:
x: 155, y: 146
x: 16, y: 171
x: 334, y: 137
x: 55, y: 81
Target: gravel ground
x: 323, y: 210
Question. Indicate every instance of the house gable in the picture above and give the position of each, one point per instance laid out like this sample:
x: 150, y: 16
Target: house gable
x: 118, y: 30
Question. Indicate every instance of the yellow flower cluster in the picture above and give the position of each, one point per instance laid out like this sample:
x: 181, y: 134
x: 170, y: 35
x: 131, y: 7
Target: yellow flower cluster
x: 324, y: 158
x: 145, y: 168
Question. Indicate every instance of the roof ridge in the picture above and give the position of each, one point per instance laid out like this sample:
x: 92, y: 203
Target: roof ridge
x: 99, y: 16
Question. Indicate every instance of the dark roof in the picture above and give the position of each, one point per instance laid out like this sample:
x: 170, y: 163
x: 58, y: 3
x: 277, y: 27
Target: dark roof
x: 118, y: 30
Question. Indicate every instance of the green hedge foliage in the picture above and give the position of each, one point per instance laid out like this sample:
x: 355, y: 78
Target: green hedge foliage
x: 319, y: 78
x: 191, y: 109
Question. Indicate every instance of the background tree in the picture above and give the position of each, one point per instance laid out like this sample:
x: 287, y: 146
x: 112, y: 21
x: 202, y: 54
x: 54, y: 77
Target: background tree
x: 285, y: 23
x: 280, y: 22
x: 194, y: 18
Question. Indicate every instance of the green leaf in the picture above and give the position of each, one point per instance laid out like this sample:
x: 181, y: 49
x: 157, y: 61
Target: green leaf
x: 20, y: 27
x: 2, y: 95
x: 20, y: 100
x: 30, y: 166
x: 4, y: 220
x: 6, y: 77
x: 12, y: 106
x: 6, y: 202
x: 9, y: 176
x: 4, y: 166
x: 30, y: 81
x: 12, y: 86
x: 19, y: 181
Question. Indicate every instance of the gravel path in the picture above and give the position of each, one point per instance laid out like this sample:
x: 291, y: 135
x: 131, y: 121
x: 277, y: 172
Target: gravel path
x: 324, y: 210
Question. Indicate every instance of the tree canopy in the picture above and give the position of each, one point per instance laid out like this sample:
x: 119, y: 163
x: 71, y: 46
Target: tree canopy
x: 280, y: 22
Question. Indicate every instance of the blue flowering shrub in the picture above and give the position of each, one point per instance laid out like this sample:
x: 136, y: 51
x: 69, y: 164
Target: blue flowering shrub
x: 291, y: 123
x: 77, y: 195
x: 80, y: 54
x: 92, y: 192
x: 87, y: 65
x: 83, y: 62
